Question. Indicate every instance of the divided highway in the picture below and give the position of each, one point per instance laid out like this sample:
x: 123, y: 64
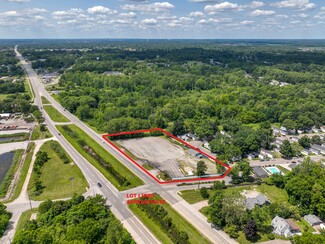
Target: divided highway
x: 115, y: 198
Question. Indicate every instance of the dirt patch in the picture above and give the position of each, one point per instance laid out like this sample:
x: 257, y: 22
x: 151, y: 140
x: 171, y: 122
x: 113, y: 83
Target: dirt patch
x: 164, y: 155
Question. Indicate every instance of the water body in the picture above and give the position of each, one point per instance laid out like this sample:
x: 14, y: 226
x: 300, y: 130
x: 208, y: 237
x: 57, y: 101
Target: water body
x: 6, y: 159
x: 10, y: 139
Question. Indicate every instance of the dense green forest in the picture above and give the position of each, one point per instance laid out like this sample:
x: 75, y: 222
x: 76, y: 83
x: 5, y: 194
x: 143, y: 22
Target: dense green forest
x: 77, y: 220
x: 203, y: 88
x: 9, y: 63
x: 4, y: 219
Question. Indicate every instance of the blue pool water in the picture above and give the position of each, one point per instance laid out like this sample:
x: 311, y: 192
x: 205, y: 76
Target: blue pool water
x: 273, y: 170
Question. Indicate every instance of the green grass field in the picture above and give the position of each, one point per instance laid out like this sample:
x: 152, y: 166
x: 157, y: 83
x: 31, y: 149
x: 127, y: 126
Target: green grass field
x: 192, y: 196
x: 23, y: 172
x: 55, y: 115
x: 182, y: 224
x: 60, y: 180
x: 117, y: 165
x: 11, y: 172
x: 274, y: 194
x: 45, y: 101
x: 38, y: 134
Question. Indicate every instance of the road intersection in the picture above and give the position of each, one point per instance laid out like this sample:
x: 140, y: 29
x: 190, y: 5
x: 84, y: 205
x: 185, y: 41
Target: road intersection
x: 115, y: 198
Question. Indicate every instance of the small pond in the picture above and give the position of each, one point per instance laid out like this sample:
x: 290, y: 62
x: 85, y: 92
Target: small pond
x: 6, y: 160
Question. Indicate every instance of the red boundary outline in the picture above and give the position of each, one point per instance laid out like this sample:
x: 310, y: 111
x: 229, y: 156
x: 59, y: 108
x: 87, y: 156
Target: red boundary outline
x: 175, y: 138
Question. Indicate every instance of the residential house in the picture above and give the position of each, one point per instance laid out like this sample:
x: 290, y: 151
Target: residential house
x: 5, y: 116
x: 295, y: 139
x: 259, y: 172
x: 315, y: 130
x: 276, y: 131
x: 252, y: 155
x: 191, y: 136
x: 265, y: 154
x: 312, y: 219
x: 322, y: 128
x: 183, y: 137
x: 284, y: 227
x: 305, y: 152
x: 259, y: 200
x: 283, y: 131
x: 317, y: 149
x: 300, y: 131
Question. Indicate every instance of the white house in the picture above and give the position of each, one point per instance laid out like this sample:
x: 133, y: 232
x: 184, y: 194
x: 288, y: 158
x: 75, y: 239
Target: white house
x: 264, y: 154
x: 284, y: 227
x: 317, y: 149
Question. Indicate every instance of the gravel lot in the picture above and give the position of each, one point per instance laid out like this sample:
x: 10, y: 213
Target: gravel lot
x: 163, y: 155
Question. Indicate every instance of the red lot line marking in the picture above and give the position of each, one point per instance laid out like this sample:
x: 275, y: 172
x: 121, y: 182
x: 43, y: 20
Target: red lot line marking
x: 175, y: 138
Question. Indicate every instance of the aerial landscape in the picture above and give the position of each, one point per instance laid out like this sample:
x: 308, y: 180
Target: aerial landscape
x: 139, y: 121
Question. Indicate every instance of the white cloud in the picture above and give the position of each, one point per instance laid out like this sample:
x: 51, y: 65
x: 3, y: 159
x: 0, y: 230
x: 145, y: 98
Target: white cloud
x: 130, y: 15
x: 247, y: 22
x: 256, y: 4
x: 214, y: 21
x: 322, y: 8
x: 19, y: 1
x: 100, y: 10
x: 205, y: 1
x: 69, y: 14
x: 259, y: 12
x: 196, y: 14
x: 152, y: 7
x: 296, y: 4
x: 225, y: 6
x: 149, y: 22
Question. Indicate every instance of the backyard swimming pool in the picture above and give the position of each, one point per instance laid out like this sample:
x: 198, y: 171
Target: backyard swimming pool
x: 273, y: 170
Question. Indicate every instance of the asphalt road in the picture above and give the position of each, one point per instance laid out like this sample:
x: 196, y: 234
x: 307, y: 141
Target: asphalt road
x: 115, y: 198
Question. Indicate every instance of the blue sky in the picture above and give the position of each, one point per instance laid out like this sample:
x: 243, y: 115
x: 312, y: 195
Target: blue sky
x: 290, y: 19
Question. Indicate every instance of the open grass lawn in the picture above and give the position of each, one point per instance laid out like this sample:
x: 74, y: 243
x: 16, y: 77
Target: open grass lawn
x: 11, y: 172
x: 274, y: 194
x: 60, y: 180
x: 45, y: 101
x: 38, y: 134
x: 117, y: 165
x: 55, y: 115
x: 25, y: 216
x: 181, y: 223
x: 304, y: 226
x: 283, y: 169
x: 23, y: 172
x: 192, y: 196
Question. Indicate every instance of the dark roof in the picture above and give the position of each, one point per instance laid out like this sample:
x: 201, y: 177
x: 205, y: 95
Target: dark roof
x: 312, y: 219
x: 260, y: 200
x: 259, y: 171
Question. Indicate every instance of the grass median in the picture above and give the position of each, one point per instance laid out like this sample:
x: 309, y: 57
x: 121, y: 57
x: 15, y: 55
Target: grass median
x: 54, y: 114
x: 108, y: 165
x: 45, y: 101
x: 38, y: 134
x: 179, y: 223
